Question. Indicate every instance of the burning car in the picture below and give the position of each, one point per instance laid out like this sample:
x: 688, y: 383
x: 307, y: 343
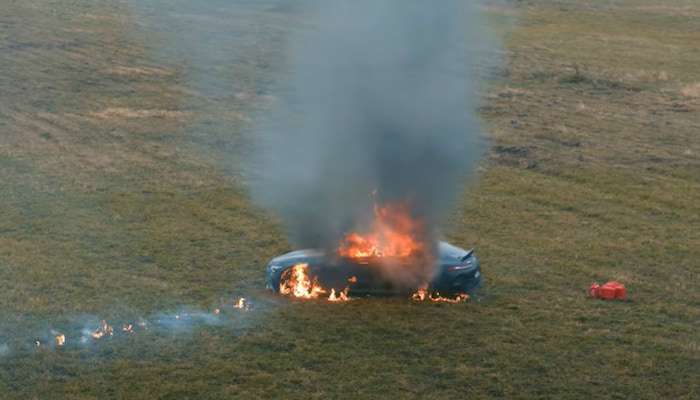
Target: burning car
x: 307, y: 273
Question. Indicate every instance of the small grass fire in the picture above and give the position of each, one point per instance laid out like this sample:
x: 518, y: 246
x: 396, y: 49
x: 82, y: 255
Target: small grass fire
x: 95, y: 332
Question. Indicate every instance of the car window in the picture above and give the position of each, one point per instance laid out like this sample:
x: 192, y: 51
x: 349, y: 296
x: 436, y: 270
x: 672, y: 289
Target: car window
x: 449, y: 251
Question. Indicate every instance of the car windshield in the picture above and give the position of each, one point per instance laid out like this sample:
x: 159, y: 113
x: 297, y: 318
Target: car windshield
x: 449, y: 251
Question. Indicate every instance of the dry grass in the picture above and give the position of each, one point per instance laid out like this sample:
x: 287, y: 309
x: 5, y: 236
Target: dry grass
x: 692, y: 90
x: 137, y: 71
x: 122, y: 112
x: 122, y: 195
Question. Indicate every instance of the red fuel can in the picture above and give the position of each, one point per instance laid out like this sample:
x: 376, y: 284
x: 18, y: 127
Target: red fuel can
x: 621, y: 292
x: 606, y: 292
x: 610, y: 291
x: 593, y: 290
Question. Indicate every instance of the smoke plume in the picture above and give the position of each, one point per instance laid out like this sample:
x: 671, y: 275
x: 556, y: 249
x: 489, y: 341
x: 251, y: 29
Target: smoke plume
x: 382, y: 97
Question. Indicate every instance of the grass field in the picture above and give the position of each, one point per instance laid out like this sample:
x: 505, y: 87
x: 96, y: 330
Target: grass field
x: 122, y: 195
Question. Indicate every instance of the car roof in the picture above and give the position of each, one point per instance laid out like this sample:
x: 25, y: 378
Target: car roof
x: 446, y: 250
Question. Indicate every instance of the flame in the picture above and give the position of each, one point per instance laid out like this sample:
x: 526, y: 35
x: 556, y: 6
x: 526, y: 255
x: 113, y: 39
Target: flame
x: 242, y: 304
x: 341, y: 296
x: 394, y: 233
x: 60, y: 339
x: 459, y: 298
x: 104, y: 329
x: 128, y: 328
x: 420, y: 295
x: 296, y: 282
x: 423, y: 294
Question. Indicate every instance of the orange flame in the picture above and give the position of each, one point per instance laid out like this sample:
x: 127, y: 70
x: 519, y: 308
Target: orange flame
x: 341, y: 296
x: 424, y: 295
x: 420, y: 295
x: 296, y: 282
x: 241, y: 304
x: 104, y: 329
x: 394, y: 233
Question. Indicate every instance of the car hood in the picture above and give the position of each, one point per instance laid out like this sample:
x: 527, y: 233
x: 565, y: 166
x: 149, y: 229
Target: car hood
x: 305, y: 255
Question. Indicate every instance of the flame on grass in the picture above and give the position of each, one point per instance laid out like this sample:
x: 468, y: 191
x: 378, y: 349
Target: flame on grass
x: 424, y: 294
x: 241, y: 304
x: 60, y: 340
x: 103, y: 330
x: 96, y: 332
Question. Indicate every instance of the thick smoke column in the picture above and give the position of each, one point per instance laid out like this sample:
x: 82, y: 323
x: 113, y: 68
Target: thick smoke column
x: 382, y: 98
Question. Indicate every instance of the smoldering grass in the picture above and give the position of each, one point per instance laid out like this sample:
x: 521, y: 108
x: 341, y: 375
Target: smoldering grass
x: 96, y: 335
x: 184, y: 320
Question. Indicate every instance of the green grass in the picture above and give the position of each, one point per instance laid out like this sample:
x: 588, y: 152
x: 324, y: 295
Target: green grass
x: 122, y: 195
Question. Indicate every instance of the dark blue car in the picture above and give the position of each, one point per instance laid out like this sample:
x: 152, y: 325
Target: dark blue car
x: 458, y: 271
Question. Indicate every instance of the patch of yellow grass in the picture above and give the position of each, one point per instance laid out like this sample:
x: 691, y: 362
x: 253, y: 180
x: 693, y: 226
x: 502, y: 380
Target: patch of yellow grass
x: 692, y: 90
x: 677, y: 10
x: 123, y: 112
x: 135, y: 71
